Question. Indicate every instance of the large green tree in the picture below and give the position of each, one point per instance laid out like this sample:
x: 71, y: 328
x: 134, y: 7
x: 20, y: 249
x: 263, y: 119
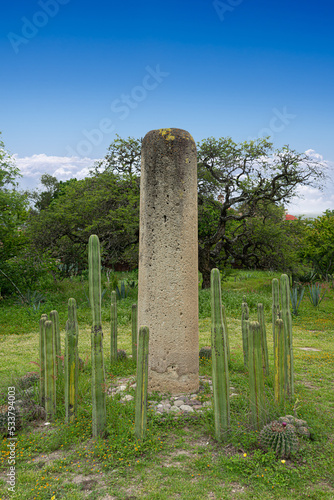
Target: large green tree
x: 13, y: 206
x: 13, y: 217
x: 237, y: 180
x: 319, y: 244
x: 104, y: 204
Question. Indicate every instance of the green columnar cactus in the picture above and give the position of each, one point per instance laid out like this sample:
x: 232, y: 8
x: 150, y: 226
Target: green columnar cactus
x: 275, y: 306
x: 113, y: 333
x: 279, y: 357
x: 98, y: 376
x: 134, y: 320
x: 255, y: 370
x: 244, y: 319
x: 71, y: 361
x: 287, y: 320
x: 226, y: 332
x: 141, y: 383
x: 50, y: 372
x: 220, y: 375
x: 262, y: 323
x: 44, y: 318
x: 280, y: 437
x: 54, y: 317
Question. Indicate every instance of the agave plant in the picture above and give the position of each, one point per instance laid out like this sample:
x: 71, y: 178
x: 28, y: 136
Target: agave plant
x: 315, y: 294
x: 295, y: 300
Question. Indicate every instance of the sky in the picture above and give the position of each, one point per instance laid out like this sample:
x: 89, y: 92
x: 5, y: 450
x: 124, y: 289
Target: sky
x: 75, y: 73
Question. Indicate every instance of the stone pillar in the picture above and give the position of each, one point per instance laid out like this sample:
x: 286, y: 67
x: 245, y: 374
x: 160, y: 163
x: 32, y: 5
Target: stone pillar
x: 168, y: 259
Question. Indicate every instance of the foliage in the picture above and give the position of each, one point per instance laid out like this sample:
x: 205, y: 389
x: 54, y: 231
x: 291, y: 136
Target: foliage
x: 238, y: 180
x: 295, y: 300
x: 319, y: 244
x: 104, y: 204
x: 20, y: 265
x: 315, y: 294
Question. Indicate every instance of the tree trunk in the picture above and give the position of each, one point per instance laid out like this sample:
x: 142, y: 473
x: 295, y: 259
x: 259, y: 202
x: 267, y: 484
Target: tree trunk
x: 205, y: 265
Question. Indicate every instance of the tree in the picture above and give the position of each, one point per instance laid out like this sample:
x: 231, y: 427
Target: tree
x: 104, y: 204
x: 319, y: 244
x: 13, y: 216
x: 13, y: 207
x: 244, y: 176
x: 123, y: 157
x: 54, y: 189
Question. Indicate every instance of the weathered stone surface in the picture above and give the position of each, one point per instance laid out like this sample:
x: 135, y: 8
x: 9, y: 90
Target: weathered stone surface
x: 168, y: 260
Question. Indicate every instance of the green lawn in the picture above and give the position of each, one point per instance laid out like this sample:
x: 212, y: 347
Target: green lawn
x: 179, y: 458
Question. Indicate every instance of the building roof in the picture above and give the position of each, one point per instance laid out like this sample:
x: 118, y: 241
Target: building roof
x: 290, y: 217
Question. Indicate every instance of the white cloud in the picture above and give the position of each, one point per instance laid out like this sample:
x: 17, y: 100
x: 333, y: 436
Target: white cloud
x: 312, y: 202
x: 62, y: 167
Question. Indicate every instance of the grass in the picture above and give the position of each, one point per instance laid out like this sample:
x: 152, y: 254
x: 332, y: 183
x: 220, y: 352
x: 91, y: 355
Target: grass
x: 179, y: 458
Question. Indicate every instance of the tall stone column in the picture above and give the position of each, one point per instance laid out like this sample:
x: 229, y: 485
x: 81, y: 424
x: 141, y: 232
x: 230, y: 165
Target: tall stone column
x: 168, y: 259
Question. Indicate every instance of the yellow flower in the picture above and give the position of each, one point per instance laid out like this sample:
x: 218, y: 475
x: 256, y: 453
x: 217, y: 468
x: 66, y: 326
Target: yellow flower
x: 283, y: 461
x: 245, y: 454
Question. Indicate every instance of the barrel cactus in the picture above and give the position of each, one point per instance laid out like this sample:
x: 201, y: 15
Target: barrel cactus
x: 279, y: 437
x: 205, y: 352
x: 300, y: 426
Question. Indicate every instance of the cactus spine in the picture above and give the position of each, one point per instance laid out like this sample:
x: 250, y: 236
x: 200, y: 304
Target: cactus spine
x: 134, y: 330
x: 262, y: 323
x: 255, y: 369
x: 98, y: 377
x: 280, y: 437
x: 220, y: 376
x: 226, y: 332
x: 279, y: 357
x: 71, y: 362
x: 50, y: 372
x: 141, y: 384
x: 275, y: 306
x: 244, y: 329
x: 54, y: 317
x: 44, y: 318
x: 287, y: 320
x: 113, y: 333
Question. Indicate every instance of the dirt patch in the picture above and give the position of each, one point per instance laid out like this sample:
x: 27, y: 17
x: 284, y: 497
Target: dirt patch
x: 308, y: 349
x: 310, y: 386
x: 47, y: 458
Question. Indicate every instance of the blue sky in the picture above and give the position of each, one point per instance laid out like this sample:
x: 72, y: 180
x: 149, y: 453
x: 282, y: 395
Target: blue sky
x: 74, y: 73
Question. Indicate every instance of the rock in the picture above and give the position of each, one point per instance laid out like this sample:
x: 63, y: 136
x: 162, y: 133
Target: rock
x: 186, y: 408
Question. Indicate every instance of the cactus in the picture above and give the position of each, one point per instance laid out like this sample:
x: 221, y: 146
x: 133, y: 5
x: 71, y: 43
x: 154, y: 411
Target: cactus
x: 275, y: 306
x: 205, y: 352
x: 141, y: 383
x: 279, y: 437
x: 300, y: 426
x: 98, y: 376
x: 287, y: 320
x: 50, y: 372
x: 134, y: 330
x: 54, y: 317
x: 44, y: 318
x: 220, y: 375
x: 113, y: 333
x: 71, y: 362
x: 279, y: 357
x: 244, y: 319
x: 262, y: 323
x: 255, y: 369
x: 226, y: 332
